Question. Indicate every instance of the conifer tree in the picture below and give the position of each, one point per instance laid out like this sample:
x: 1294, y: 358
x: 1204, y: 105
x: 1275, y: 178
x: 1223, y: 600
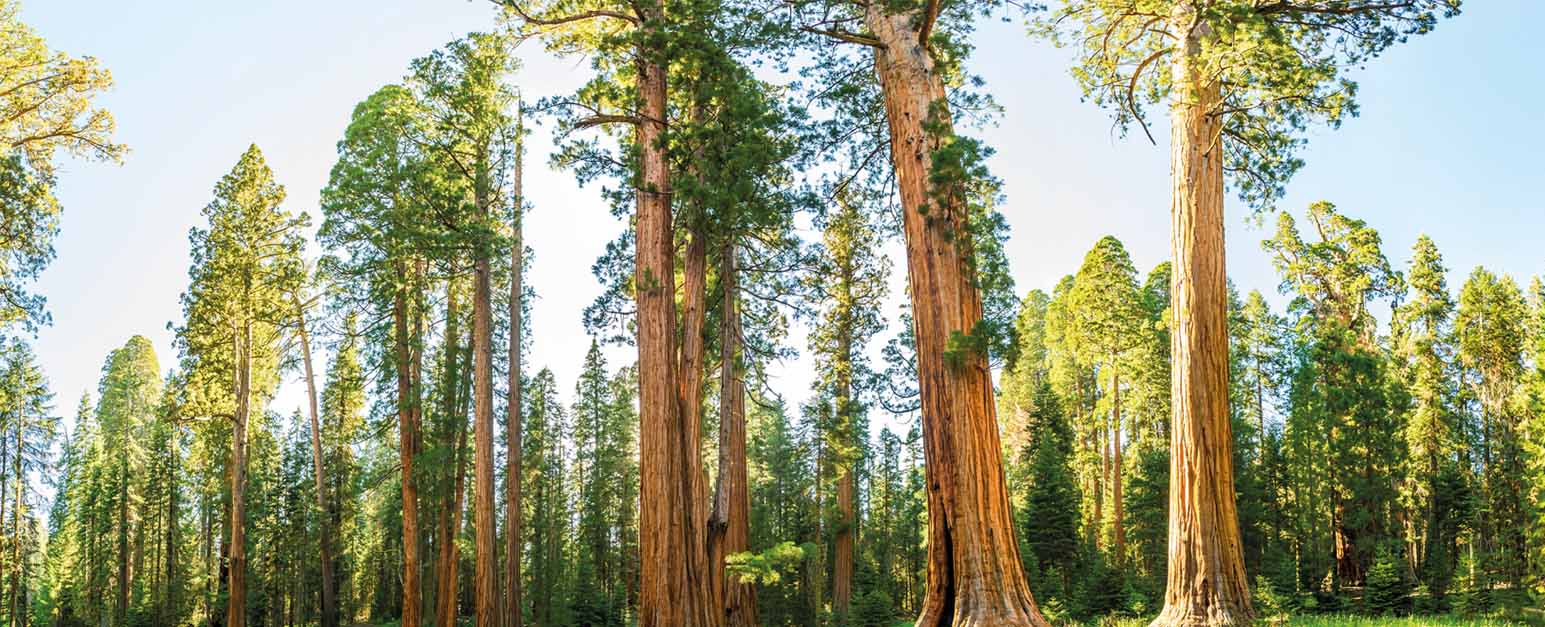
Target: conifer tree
x: 1422, y: 333
x: 849, y: 282
x: 1343, y: 405
x: 1490, y: 327
x: 1242, y: 81
x: 245, y: 264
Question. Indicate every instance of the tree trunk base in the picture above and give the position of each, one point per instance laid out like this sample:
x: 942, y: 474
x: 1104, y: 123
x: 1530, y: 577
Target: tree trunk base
x: 1223, y: 615
x: 983, y: 617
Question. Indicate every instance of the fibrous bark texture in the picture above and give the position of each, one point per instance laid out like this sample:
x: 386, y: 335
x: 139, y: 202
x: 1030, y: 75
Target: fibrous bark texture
x: 673, y: 578
x: 730, y: 531
x: 1206, y: 584
x: 974, y: 572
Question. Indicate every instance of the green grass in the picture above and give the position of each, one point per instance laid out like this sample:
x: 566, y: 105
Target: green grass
x: 1404, y: 621
x: 1337, y: 620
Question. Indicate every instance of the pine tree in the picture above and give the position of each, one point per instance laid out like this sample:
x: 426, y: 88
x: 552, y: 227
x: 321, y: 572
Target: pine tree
x: 849, y: 282
x: 1105, y: 325
x: 1425, y: 350
x: 27, y: 434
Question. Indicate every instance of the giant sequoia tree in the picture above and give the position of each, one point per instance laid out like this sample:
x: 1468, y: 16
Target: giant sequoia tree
x: 246, y: 264
x: 1242, y: 80
x: 959, y: 307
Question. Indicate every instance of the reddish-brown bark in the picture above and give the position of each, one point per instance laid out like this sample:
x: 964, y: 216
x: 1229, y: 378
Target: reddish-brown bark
x: 450, y: 510
x: 974, y: 572
x: 1206, y: 579
x: 407, y: 442
x: 329, y: 616
x: 514, y: 540
x: 236, y: 602
x: 673, y: 556
x: 730, y: 531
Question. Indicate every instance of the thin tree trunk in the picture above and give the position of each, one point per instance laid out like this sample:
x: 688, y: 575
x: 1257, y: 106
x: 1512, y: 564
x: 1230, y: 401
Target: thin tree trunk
x: 16, y: 576
x: 512, y: 431
x: 730, y: 531
x: 450, y: 511
x: 329, y: 593
x: 1118, y: 525
x: 974, y: 571
x: 122, y: 611
x: 172, y: 581
x: 1206, y: 582
x: 842, y: 542
x: 407, y: 447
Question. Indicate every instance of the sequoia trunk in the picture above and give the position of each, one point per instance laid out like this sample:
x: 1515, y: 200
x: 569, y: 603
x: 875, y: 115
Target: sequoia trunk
x: 730, y: 531
x: 1206, y: 584
x: 974, y: 572
x: 485, y: 581
x: 450, y: 510
x: 513, y: 542
x: 236, y: 606
x: 672, y: 552
x: 407, y: 431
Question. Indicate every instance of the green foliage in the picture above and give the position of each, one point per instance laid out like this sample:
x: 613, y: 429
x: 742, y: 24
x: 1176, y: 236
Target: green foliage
x: 1387, y: 590
x: 873, y: 609
x: 46, y: 107
x: 1281, y: 66
x: 1265, y: 599
x: 1050, y: 522
x: 769, y: 566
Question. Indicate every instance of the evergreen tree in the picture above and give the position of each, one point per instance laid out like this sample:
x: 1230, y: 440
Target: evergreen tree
x: 1490, y: 328
x: 1242, y: 81
x: 1424, y: 349
x: 245, y: 264
x: 1341, y: 408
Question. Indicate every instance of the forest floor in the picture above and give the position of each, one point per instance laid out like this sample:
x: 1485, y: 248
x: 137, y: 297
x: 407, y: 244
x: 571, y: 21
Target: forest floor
x: 1340, y: 620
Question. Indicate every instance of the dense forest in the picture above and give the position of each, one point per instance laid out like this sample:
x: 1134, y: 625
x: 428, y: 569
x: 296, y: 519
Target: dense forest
x: 1151, y: 443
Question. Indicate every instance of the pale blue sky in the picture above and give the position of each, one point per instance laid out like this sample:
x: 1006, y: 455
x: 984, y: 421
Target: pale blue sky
x: 1448, y: 144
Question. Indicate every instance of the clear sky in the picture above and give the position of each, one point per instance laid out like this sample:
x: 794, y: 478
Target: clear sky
x: 1448, y: 144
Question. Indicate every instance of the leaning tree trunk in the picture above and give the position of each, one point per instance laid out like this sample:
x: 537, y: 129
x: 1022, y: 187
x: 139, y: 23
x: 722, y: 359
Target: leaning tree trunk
x: 673, y: 556
x: 1207, y: 584
x: 329, y: 595
x: 513, y: 514
x: 974, y: 571
x: 730, y: 531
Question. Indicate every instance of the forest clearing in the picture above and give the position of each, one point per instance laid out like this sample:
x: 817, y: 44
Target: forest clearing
x: 817, y: 313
